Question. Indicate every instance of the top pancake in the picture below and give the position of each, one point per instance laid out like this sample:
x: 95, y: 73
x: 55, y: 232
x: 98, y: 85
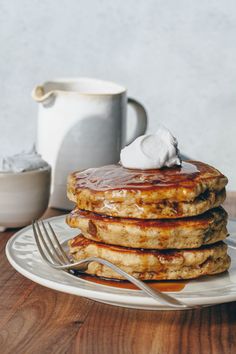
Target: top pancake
x: 118, y: 186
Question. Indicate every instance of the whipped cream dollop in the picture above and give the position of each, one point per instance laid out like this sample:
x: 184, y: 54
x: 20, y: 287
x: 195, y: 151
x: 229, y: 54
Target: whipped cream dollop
x: 151, y: 151
x: 25, y: 161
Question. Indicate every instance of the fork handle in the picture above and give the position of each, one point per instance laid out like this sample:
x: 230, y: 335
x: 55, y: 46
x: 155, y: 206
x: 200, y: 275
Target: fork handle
x: 155, y: 294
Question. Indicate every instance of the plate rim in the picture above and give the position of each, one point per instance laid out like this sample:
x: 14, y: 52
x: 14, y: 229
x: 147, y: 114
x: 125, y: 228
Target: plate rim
x: 135, y: 298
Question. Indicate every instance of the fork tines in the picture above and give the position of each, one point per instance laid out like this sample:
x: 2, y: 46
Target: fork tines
x: 48, y: 244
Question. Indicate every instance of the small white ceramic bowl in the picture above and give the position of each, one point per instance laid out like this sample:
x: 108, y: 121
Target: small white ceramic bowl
x: 24, y: 196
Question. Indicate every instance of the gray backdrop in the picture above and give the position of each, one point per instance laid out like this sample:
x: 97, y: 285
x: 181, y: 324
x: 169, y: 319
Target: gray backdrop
x: 177, y: 57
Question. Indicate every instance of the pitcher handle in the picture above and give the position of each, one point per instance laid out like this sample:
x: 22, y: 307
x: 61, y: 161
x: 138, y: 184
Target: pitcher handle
x: 142, y: 119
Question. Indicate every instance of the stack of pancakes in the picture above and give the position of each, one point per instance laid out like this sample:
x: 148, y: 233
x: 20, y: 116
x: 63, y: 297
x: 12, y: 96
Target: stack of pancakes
x: 154, y: 224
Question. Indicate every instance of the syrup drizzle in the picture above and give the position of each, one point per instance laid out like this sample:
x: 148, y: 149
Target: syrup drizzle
x: 165, y: 286
x: 117, y: 177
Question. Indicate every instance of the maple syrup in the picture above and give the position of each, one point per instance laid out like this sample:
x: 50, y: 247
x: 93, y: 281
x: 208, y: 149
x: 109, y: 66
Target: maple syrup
x: 168, y: 285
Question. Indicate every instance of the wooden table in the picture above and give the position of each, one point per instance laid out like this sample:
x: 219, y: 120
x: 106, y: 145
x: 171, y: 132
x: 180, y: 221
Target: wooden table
x: 34, y: 320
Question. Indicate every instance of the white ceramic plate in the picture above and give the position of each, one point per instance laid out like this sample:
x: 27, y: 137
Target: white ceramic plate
x: 23, y: 255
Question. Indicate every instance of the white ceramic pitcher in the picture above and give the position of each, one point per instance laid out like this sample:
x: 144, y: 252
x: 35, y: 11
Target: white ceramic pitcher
x: 81, y: 124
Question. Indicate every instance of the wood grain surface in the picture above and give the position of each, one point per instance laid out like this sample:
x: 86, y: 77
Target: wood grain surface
x: 37, y: 320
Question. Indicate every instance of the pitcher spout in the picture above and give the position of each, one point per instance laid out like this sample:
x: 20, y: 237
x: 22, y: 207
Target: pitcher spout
x: 39, y: 94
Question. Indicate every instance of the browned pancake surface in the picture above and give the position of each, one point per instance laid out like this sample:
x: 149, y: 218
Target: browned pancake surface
x: 117, y: 177
x: 173, y: 192
x: 191, y: 232
x: 152, y: 264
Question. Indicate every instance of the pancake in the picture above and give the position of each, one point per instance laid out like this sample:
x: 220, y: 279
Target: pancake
x: 175, y: 192
x: 152, y: 264
x: 192, y: 232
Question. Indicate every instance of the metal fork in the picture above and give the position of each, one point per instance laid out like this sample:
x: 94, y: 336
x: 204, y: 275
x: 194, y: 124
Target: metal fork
x: 55, y: 256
